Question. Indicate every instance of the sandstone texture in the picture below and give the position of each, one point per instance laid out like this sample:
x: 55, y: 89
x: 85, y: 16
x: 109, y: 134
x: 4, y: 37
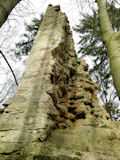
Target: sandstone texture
x: 55, y: 113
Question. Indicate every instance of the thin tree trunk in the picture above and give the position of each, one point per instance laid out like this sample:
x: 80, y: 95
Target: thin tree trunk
x: 9, y: 67
x: 112, y: 41
x: 6, y: 7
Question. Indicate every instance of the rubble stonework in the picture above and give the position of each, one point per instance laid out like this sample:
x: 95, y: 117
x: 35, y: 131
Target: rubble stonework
x: 55, y: 113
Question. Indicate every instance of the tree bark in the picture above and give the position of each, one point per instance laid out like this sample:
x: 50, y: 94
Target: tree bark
x: 112, y: 41
x: 6, y: 7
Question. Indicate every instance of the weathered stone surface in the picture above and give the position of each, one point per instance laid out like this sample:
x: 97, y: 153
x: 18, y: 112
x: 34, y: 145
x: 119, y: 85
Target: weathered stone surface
x: 55, y: 114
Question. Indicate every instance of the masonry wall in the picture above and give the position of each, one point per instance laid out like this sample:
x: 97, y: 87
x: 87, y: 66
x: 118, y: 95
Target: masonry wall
x: 55, y: 113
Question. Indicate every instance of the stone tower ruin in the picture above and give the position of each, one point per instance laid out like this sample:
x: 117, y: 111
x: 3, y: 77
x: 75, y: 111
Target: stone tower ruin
x: 55, y: 113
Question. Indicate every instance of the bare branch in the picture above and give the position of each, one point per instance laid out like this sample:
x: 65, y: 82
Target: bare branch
x: 9, y: 67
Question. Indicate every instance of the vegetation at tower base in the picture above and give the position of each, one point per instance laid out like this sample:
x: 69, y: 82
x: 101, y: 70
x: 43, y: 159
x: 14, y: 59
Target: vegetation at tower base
x: 55, y: 114
x: 91, y: 44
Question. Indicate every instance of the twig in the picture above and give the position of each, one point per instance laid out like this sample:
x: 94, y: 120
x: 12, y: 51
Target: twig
x: 9, y: 67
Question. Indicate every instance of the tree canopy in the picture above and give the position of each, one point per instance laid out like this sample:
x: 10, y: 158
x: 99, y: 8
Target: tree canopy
x: 24, y: 46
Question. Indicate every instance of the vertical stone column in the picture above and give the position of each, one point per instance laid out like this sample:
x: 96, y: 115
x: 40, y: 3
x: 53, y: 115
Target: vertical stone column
x: 32, y: 105
x: 28, y: 112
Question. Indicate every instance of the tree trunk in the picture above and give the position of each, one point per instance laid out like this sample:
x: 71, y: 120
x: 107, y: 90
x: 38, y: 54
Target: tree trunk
x: 6, y: 7
x: 112, y: 41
